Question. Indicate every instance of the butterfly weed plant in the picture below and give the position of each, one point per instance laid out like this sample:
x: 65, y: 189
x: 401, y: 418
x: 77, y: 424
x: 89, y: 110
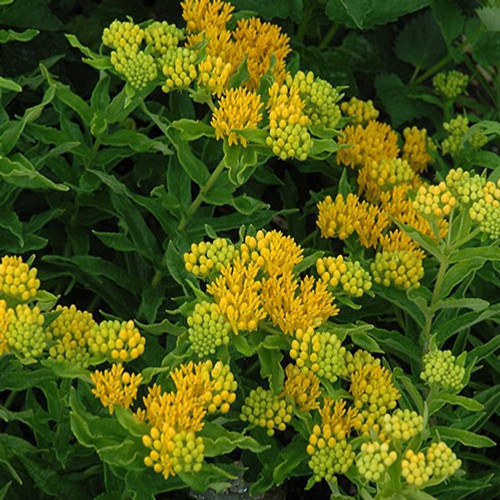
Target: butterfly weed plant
x: 251, y: 256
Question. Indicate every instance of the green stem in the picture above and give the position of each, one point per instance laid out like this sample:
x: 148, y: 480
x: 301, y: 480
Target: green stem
x: 10, y: 399
x: 328, y: 37
x: 303, y: 26
x: 416, y: 71
x: 203, y: 191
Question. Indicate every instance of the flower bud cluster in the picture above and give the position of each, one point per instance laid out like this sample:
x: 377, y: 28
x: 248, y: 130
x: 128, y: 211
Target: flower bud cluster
x: 214, y: 74
x: 17, y: 281
x: 457, y: 127
x: 374, y: 459
x: 401, y: 425
x: 389, y: 173
x: 416, y: 149
x: 162, y: 36
x: 222, y: 389
x: 331, y: 457
x: 126, y: 36
x: 24, y: 333
x: 4, y: 324
x: 70, y: 333
x: 320, y: 352
x: 208, y: 329
x: 440, y: 368
x: 302, y: 387
x: 438, y: 463
x: 139, y: 68
x: 320, y: 99
x: 118, y: 341
x: 264, y: 409
x: 359, y: 111
x: 356, y: 361
x: 465, y: 187
x: 115, y: 387
x: 400, y: 268
x: 179, y: 66
x: 486, y: 210
x: 450, y: 84
x: 207, y: 258
x: 288, y: 135
x: 350, y: 275
x: 434, y: 200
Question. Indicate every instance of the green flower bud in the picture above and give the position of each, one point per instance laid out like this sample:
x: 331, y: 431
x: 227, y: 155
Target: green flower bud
x: 25, y: 334
x: 440, y: 369
x: 450, y: 84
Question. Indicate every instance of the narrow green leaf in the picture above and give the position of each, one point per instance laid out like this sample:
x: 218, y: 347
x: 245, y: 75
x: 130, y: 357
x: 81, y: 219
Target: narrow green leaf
x: 117, y: 241
x: 18, y: 36
x: 458, y: 273
x: 468, y: 303
x: 270, y: 368
x: 7, y: 84
x: 365, y: 341
x: 483, y: 351
x: 489, y: 253
x: 190, y: 130
x: 453, y: 399
x: 465, y: 437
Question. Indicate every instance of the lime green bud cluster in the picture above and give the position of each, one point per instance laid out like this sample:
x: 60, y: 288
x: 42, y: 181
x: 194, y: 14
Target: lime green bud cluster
x: 264, y: 409
x: 374, y: 459
x: 354, y: 279
x: 402, y: 424
x: 207, y: 328
x: 214, y: 74
x: 288, y: 135
x: 466, y: 188
x: 179, y: 66
x: 4, y: 323
x: 70, y: 333
x: 486, y: 210
x: 223, y: 387
x: 162, y: 36
x: 126, y: 36
x: 434, y: 200
x: 139, y: 69
x: 320, y: 352
x: 359, y: 111
x: 17, y: 281
x: 457, y: 128
x: 118, y: 341
x: 440, y: 369
x: 356, y: 361
x: 25, y: 333
x: 389, y: 173
x: 450, y: 84
x: 437, y: 464
x: 330, y: 457
x: 400, y: 268
x: 188, y: 453
x: 320, y: 99
x: 207, y: 258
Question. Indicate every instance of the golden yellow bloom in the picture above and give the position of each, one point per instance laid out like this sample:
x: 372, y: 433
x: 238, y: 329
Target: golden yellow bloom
x: 338, y: 421
x: 434, y: 200
x: 115, y: 387
x: 416, y: 147
x: 339, y: 218
x: 398, y: 240
x: 258, y: 41
x: 214, y: 73
x: 359, y: 111
x: 302, y: 388
x: 238, y: 109
x: 4, y: 325
x: 399, y: 268
x: 289, y: 310
x: 372, y: 223
x: 218, y: 42
x: 236, y: 291
x: 375, y: 142
x: 202, y: 14
x: 272, y: 251
x: 17, y: 280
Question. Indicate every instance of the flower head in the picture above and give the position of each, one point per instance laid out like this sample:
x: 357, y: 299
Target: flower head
x: 24, y: 331
x: 18, y: 282
x: 360, y: 112
x: 302, y: 388
x: 4, y: 324
x: 207, y: 257
x: 416, y: 149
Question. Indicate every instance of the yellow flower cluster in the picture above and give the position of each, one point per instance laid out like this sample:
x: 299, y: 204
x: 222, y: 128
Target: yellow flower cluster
x: 302, y: 387
x: 486, y: 210
x: 18, y: 282
x: 399, y: 268
x: 288, y: 135
x: 70, y: 333
x: 202, y: 14
x: 118, y: 341
x: 416, y: 149
x: 374, y: 395
x: 207, y: 257
x: 354, y: 362
x: 238, y: 109
x: 320, y: 98
x: 264, y: 409
x: 374, y: 142
x: 214, y: 74
x: 179, y: 66
x: 115, y: 387
x: 321, y: 353
x: 359, y: 112
x: 4, y: 325
x: 374, y: 459
x: 330, y: 452
x: 348, y: 274
x: 434, y: 200
x: 438, y: 463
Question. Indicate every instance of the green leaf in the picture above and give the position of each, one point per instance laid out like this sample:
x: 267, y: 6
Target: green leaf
x: 190, y: 130
x: 292, y: 9
x: 5, y: 490
x: 489, y: 253
x: 490, y: 16
x: 365, y: 341
x: 247, y: 205
x: 11, y: 222
x: 426, y: 242
x: 467, y: 403
x: 18, y: 36
x: 420, y: 42
x: 483, y: 351
x: 293, y: 458
x: 270, y: 368
x: 136, y: 141
x: 7, y: 84
x: 450, y: 18
x: 458, y: 273
x: 468, y: 303
x: 117, y: 241
x: 93, y: 59
x: 467, y: 438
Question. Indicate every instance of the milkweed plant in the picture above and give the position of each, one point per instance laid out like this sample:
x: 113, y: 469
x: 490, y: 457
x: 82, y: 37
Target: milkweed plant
x: 227, y: 269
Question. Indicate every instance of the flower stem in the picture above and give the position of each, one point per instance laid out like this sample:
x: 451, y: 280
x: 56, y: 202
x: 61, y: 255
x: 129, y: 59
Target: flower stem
x: 203, y: 191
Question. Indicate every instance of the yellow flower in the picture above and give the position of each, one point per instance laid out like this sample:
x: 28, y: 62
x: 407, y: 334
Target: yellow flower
x: 399, y: 268
x: 416, y: 149
x: 375, y: 142
x: 339, y: 218
x: 359, y: 112
x: 202, y: 14
x: 236, y: 291
x: 260, y: 41
x: 4, y: 325
x: 17, y: 280
x: 398, y: 240
x: 302, y: 388
x: 218, y: 43
x: 115, y: 387
x: 238, y: 109
x: 434, y: 200
x: 214, y: 73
